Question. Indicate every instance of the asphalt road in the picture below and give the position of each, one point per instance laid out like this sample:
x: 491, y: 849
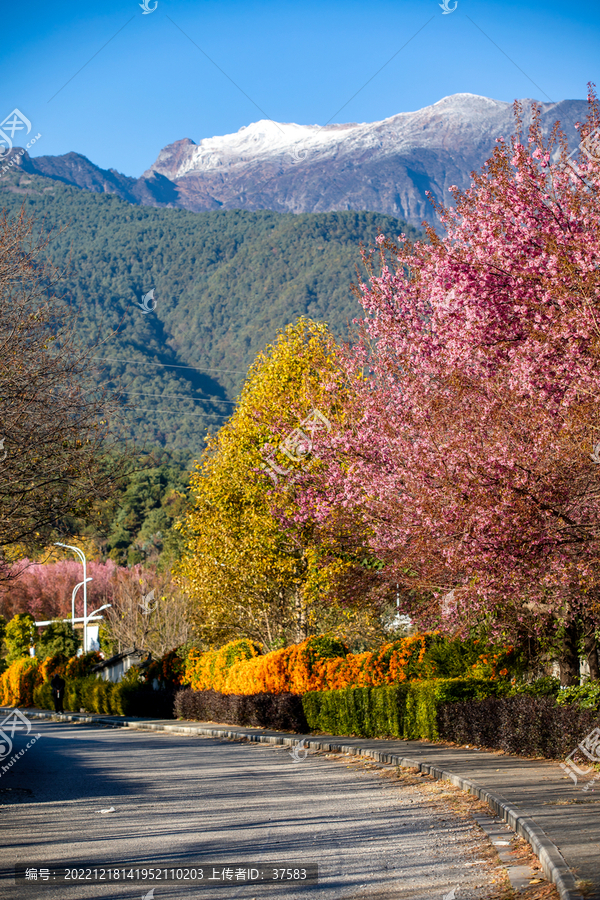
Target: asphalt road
x: 188, y: 802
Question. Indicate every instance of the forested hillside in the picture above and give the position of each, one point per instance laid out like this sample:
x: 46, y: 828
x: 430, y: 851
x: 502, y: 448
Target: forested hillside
x: 224, y: 283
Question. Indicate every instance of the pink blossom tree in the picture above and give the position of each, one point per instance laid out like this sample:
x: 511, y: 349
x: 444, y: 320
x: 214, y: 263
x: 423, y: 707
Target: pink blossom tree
x: 469, y: 469
x: 45, y: 589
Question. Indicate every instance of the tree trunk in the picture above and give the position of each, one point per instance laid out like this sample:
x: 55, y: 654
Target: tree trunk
x: 569, y: 660
x: 591, y: 649
x: 300, y: 616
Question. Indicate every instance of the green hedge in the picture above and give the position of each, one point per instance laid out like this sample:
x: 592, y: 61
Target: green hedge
x: 90, y: 693
x: 407, y: 711
x: 125, y: 698
x: 42, y: 696
x: 364, y: 711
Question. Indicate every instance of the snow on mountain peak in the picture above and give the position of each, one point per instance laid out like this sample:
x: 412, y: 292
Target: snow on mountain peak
x: 288, y: 141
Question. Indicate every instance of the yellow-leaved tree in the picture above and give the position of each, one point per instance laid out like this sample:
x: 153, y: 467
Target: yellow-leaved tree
x: 250, y: 572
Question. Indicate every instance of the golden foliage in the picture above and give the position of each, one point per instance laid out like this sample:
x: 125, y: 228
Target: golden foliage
x: 237, y: 668
x: 249, y: 569
x: 18, y: 681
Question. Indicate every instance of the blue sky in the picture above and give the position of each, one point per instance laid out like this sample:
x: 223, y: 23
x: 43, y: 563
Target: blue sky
x: 198, y: 69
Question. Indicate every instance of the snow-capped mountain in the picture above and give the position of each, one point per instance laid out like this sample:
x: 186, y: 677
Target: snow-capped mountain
x: 445, y: 126
x: 385, y: 166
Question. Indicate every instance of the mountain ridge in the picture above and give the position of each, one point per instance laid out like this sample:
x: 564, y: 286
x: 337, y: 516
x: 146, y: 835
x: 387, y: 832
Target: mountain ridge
x: 387, y: 167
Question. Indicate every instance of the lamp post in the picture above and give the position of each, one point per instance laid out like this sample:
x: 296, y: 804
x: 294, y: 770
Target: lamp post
x: 85, y: 621
x: 81, y: 556
x: 75, y: 589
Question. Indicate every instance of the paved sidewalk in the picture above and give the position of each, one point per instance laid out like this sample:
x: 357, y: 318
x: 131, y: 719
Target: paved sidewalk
x: 535, y: 797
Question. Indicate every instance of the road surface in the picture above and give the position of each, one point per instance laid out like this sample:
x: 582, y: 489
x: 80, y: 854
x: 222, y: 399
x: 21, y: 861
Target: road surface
x: 189, y: 803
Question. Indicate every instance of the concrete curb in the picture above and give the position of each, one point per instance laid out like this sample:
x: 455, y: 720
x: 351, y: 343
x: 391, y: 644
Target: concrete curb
x: 553, y: 864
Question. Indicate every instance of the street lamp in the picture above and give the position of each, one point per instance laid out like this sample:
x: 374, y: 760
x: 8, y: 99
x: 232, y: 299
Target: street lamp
x: 75, y: 589
x: 85, y: 621
x: 81, y: 556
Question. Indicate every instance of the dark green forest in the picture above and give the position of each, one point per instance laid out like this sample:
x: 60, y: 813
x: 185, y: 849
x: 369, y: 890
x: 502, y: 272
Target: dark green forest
x: 224, y: 283
x: 136, y: 524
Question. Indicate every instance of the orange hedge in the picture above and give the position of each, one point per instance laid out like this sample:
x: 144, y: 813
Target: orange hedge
x: 209, y: 670
x: 238, y: 668
x: 18, y: 681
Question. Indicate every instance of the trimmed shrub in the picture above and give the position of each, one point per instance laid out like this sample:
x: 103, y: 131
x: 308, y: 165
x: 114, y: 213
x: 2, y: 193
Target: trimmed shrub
x: 77, y: 693
x: 144, y: 702
x: 420, y: 716
x: 317, y: 664
x: 18, y: 682
x: 106, y: 698
x: 407, y: 710
x: 454, y: 710
x: 26, y: 683
x: 281, y: 712
x: 208, y: 671
x: 42, y: 696
x: 525, y: 724
x: 364, y: 711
